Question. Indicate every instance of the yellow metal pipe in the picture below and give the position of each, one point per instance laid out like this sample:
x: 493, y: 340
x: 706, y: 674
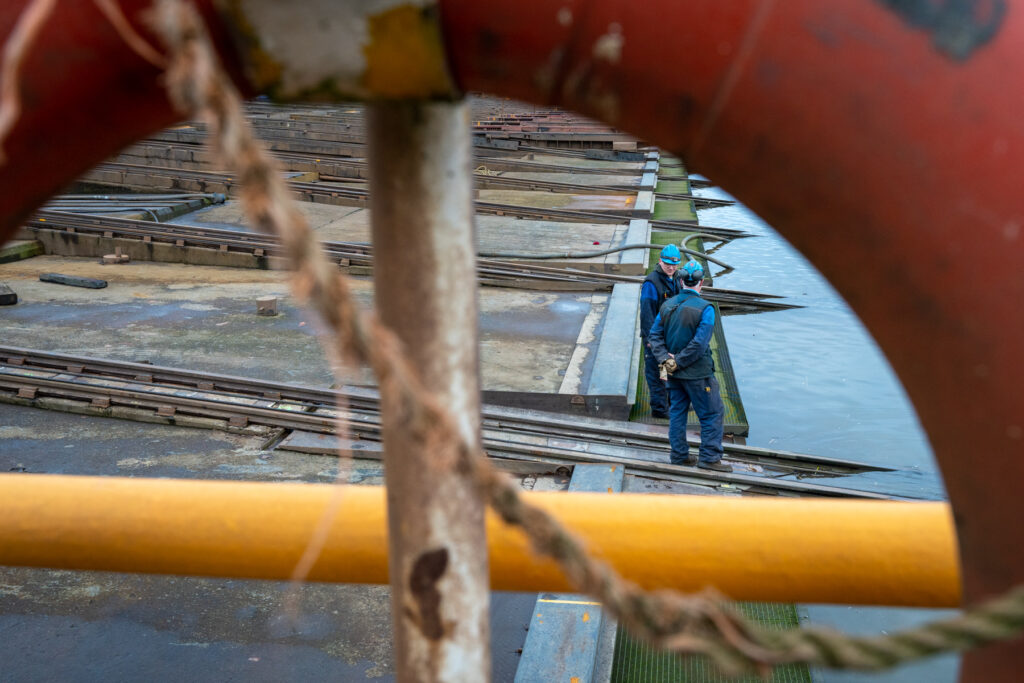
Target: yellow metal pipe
x: 790, y: 550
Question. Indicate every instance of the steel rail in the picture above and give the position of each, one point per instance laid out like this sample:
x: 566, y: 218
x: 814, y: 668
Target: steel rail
x: 357, y: 197
x: 360, y: 197
x: 356, y: 162
x: 494, y: 272
x: 364, y: 399
x: 220, y: 406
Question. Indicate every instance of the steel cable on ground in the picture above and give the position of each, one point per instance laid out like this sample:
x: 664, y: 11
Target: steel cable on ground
x: 694, y: 623
x: 605, y: 252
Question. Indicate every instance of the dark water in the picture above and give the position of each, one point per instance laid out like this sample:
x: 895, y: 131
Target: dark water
x: 812, y: 379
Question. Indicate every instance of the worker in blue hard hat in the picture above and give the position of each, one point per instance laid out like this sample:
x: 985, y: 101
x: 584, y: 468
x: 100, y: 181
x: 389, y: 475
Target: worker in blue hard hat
x: 680, y: 339
x: 662, y: 284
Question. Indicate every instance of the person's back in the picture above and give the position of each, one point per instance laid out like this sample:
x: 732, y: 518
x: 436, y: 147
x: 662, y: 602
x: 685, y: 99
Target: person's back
x: 680, y: 340
x: 681, y: 319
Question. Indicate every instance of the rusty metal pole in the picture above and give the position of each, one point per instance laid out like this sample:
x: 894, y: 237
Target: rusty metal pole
x: 425, y: 290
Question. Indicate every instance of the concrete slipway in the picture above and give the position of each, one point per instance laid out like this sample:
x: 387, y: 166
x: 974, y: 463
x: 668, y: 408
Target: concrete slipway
x: 96, y: 626
x: 562, y: 350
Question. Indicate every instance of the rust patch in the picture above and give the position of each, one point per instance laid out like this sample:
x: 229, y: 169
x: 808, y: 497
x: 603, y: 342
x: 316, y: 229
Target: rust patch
x: 426, y: 572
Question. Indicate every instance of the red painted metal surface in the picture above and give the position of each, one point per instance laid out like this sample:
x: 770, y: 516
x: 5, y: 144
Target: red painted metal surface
x: 848, y: 125
x: 85, y: 94
x: 890, y: 164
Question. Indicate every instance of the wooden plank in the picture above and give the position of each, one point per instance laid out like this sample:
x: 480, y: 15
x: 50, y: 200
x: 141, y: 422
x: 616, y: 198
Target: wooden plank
x: 7, y: 295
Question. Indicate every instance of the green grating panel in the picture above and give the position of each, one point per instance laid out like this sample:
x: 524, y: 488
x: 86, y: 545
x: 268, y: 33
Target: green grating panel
x: 674, y: 210
x: 673, y: 186
x: 636, y: 662
x: 671, y: 167
x: 673, y: 179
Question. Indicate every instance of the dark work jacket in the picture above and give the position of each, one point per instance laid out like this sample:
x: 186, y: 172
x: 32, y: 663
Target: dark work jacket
x: 664, y: 288
x: 675, y: 328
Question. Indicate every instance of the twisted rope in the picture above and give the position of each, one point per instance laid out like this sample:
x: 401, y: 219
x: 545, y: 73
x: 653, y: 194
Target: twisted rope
x: 702, y: 623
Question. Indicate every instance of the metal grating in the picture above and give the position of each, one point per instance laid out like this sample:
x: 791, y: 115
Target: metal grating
x: 636, y: 662
x: 672, y: 179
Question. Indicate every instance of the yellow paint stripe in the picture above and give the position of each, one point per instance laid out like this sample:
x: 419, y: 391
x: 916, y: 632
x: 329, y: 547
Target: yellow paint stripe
x: 570, y: 602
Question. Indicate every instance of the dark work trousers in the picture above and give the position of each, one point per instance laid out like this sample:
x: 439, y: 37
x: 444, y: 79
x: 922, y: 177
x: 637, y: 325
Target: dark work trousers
x: 707, y: 403
x: 655, y: 387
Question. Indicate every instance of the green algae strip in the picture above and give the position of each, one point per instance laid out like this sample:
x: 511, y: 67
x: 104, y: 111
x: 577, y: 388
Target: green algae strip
x: 672, y: 186
x: 674, y: 210
x: 735, y: 417
x: 673, y: 180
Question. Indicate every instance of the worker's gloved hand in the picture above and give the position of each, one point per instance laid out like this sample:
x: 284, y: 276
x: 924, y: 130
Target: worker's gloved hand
x: 667, y: 368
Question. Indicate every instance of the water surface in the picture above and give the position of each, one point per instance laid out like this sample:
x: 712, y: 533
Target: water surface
x: 812, y: 379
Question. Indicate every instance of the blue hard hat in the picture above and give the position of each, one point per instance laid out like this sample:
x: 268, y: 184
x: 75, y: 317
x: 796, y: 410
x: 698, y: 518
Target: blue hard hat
x: 692, y: 273
x: 670, y: 255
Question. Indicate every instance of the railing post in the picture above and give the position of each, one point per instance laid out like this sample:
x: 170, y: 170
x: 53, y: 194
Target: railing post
x: 425, y: 290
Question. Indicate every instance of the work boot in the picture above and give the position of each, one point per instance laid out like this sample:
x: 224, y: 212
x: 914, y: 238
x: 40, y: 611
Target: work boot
x: 716, y: 466
x: 689, y: 460
x: 660, y: 414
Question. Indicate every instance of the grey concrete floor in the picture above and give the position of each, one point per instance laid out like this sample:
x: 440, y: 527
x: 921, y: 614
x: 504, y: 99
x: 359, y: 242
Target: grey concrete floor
x: 203, y: 318
x: 99, y: 626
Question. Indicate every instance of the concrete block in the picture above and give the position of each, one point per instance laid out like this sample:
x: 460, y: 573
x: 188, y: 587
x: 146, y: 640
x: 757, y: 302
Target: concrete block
x: 634, y: 261
x: 644, y: 206
x: 610, y: 374
x: 266, y: 305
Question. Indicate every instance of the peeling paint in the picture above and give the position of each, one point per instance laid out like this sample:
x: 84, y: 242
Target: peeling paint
x: 405, y: 54
x: 333, y: 51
